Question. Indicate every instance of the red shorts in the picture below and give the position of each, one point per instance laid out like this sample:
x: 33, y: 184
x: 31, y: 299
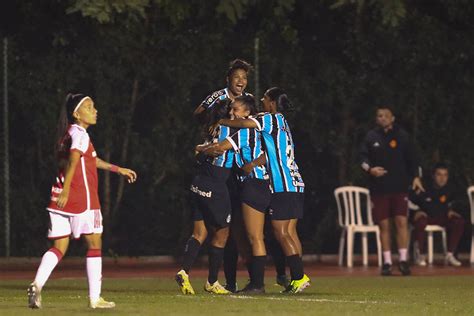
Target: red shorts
x: 389, y: 205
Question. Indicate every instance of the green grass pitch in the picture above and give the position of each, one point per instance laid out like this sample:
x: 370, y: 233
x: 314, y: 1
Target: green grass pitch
x: 451, y: 295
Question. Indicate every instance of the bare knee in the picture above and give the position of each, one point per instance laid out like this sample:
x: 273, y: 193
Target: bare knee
x: 61, y: 244
x: 200, y: 232
x: 94, y: 241
x: 220, y: 237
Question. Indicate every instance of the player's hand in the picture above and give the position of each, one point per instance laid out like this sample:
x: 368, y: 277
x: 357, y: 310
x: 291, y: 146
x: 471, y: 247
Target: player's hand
x: 453, y: 214
x: 213, y: 150
x: 377, y: 172
x: 128, y: 173
x: 419, y: 214
x: 62, y: 199
x: 417, y: 186
x: 247, y: 168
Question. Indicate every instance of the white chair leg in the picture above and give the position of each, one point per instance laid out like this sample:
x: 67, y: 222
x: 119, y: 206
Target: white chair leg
x: 379, y: 248
x: 472, y: 247
x: 350, y: 247
x: 430, y: 247
x: 445, y: 243
x: 365, y: 250
x: 341, y: 246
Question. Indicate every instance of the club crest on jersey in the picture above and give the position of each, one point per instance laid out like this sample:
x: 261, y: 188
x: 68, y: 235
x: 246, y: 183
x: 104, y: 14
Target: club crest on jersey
x: 442, y: 198
x: 94, y: 154
x: 393, y: 143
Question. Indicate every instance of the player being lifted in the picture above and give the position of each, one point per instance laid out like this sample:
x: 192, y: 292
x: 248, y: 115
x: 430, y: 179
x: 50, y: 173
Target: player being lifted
x: 74, y: 209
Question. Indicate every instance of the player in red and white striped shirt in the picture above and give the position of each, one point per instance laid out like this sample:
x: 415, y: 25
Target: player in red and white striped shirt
x: 74, y: 209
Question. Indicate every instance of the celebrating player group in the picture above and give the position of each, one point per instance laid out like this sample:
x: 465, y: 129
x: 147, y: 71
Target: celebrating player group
x: 258, y: 149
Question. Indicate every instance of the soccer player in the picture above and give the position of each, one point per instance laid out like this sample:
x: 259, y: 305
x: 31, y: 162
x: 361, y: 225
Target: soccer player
x: 389, y: 158
x: 74, y: 209
x: 437, y: 206
x: 236, y: 79
x: 286, y: 183
x: 212, y: 210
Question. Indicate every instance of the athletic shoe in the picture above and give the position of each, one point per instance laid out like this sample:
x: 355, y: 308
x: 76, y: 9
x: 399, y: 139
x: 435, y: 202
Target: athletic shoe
x: 452, y: 261
x: 404, y: 268
x: 250, y: 289
x: 216, y: 288
x: 182, y: 279
x: 100, y: 303
x: 34, y: 296
x: 297, y: 286
x: 386, y: 269
x: 232, y: 288
x: 421, y: 261
x: 282, y: 280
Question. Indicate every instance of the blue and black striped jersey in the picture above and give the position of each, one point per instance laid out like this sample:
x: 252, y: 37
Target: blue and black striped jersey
x: 280, y: 151
x: 211, y: 99
x: 225, y: 160
x: 247, y: 145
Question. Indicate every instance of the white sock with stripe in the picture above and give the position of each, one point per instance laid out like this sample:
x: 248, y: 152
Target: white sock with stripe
x: 49, y: 261
x: 94, y: 273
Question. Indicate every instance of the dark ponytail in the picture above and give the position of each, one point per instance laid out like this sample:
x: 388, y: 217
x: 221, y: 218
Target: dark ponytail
x: 281, y: 99
x: 66, y: 117
x: 219, y: 111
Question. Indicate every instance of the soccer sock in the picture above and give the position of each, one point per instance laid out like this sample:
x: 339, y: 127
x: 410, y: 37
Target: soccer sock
x: 257, y: 271
x: 231, y: 256
x: 216, y: 256
x: 387, y: 257
x: 296, y: 267
x: 94, y: 272
x: 190, y: 253
x: 49, y: 261
x: 278, y: 257
x: 402, y: 253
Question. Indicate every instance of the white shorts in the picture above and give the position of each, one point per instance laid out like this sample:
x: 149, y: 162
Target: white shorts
x: 89, y: 222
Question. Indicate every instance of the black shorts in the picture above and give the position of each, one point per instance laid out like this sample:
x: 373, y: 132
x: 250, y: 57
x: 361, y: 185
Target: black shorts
x: 256, y: 194
x: 211, y: 202
x: 286, y: 205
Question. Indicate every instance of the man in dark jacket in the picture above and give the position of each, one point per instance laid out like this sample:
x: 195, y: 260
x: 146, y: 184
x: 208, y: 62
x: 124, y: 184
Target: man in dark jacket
x: 388, y: 156
x: 436, y: 206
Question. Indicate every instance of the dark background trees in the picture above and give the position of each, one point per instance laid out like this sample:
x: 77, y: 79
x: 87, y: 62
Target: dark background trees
x: 149, y: 63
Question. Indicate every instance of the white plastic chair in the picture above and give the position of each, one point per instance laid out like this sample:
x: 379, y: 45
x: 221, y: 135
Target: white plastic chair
x: 470, y: 193
x: 349, y: 208
x: 430, y: 229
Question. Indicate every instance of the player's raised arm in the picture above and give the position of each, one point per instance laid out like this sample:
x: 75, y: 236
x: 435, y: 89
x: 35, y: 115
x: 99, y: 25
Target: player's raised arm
x: 127, y: 173
x: 239, y: 123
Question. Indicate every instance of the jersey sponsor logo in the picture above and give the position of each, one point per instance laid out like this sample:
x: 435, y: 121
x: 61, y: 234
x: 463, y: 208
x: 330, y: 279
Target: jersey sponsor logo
x: 443, y: 198
x: 393, y: 143
x: 196, y: 190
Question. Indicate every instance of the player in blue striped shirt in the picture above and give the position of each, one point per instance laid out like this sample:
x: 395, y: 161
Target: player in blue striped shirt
x: 287, y: 185
x: 212, y: 209
x: 236, y: 79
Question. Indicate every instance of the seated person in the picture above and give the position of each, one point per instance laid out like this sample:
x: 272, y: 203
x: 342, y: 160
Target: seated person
x: 435, y: 206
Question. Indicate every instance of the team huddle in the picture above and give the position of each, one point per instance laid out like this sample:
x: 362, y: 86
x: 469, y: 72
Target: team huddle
x: 258, y: 149
x: 255, y: 149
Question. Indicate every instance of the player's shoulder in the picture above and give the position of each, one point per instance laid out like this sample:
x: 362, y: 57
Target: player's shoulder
x: 77, y: 131
x: 261, y: 115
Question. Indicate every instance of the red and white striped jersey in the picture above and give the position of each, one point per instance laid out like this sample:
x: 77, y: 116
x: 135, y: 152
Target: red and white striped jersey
x: 83, y: 194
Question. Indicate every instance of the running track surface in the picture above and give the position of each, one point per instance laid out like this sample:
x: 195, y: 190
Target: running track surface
x: 136, y: 268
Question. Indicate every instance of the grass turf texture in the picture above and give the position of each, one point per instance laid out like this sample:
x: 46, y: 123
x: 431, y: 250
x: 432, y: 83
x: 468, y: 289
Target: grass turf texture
x: 327, y: 296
